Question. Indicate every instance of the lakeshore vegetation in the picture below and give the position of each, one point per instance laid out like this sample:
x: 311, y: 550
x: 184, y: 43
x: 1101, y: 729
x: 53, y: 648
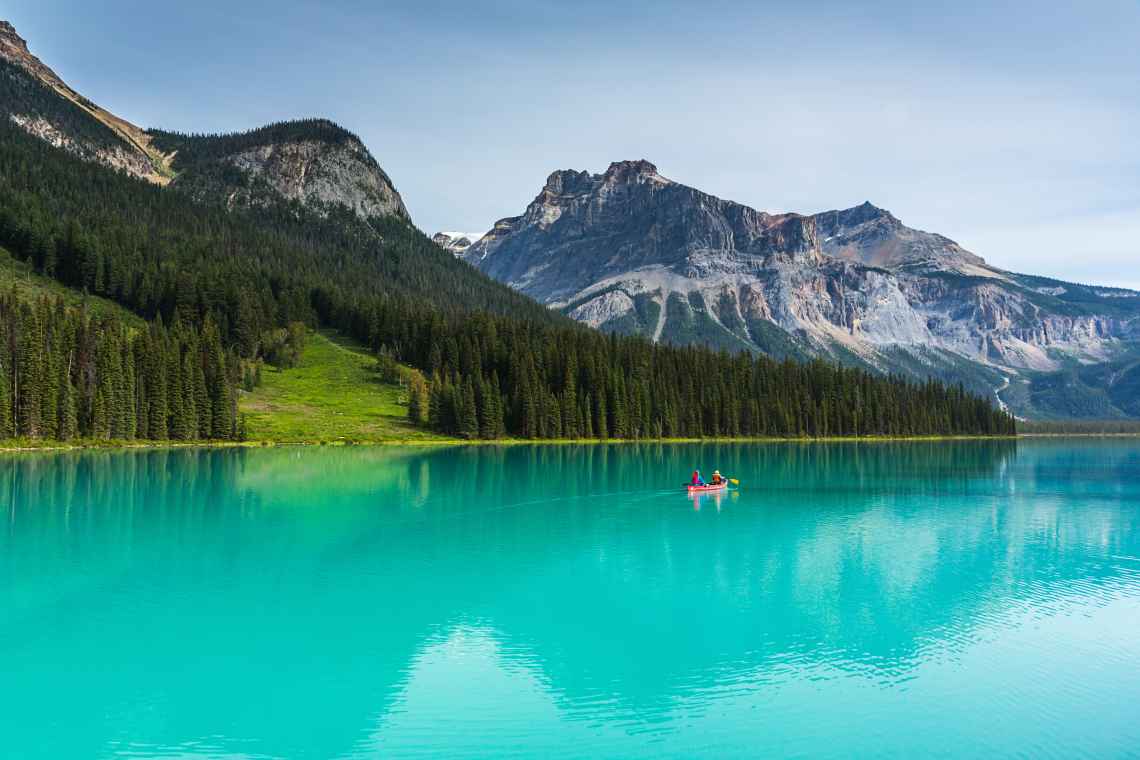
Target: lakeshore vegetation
x: 214, y: 300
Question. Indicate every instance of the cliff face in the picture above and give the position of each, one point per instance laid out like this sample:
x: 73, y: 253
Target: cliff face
x: 313, y: 162
x: 631, y: 251
x: 583, y: 229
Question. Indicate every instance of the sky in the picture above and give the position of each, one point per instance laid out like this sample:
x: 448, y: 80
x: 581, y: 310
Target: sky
x: 1011, y: 127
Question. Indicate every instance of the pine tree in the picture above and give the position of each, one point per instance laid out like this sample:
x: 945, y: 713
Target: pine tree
x: 202, y: 397
x: 188, y: 423
x: 601, y: 416
x: 68, y: 426
x: 157, y: 410
x: 28, y: 377
x: 7, y: 428
x: 487, y: 402
x: 469, y: 414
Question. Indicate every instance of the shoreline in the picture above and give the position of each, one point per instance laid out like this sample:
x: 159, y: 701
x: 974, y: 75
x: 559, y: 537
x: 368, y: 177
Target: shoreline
x: 49, y: 446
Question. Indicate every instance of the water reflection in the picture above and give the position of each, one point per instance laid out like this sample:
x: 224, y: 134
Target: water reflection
x: 321, y: 603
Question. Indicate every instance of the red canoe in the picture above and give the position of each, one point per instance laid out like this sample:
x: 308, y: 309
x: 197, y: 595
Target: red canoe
x: 707, y: 489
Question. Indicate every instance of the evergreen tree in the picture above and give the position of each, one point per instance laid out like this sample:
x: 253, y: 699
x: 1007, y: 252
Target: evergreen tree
x: 469, y: 414
x: 68, y: 426
x: 7, y: 427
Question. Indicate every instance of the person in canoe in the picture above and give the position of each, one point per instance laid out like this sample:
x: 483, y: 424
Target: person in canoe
x: 717, y: 479
x: 697, y: 479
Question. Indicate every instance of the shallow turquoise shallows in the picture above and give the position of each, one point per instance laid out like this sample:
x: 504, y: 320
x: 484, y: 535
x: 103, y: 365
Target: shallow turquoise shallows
x: 973, y: 599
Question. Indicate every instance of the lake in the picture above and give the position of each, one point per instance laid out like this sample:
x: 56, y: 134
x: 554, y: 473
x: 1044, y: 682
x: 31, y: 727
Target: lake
x: 953, y: 599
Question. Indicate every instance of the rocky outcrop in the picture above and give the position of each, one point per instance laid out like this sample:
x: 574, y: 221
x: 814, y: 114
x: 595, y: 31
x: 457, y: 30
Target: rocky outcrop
x: 317, y: 173
x: 632, y: 251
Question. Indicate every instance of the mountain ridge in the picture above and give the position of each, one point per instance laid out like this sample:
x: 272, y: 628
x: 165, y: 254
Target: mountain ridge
x: 311, y: 161
x: 138, y: 157
x: 630, y: 251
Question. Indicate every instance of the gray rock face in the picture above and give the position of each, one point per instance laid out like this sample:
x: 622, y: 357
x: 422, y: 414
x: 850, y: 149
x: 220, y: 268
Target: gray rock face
x: 317, y: 173
x: 631, y: 251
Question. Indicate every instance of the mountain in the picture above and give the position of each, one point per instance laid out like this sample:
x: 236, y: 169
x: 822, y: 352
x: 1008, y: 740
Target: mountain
x: 633, y: 252
x: 313, y: 161
x: 456, y: 242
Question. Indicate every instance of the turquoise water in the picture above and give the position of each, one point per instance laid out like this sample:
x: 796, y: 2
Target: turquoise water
x: 922, y: 599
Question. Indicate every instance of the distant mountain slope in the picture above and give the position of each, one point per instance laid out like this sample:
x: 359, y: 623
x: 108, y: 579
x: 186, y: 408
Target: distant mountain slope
x: 68, y: 120
x: 313, y: 162
x: 631, y: 251
x: 456, y: 242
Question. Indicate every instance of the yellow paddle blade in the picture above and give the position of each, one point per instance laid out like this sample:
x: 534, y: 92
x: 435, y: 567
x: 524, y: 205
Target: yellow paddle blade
x: 734, y: 481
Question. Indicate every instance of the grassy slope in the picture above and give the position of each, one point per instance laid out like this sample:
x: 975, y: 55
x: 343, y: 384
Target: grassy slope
x: 30, y: 286
x: 332, y: 395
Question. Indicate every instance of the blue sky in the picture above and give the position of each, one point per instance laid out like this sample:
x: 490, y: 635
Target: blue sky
x: 1010, y: 127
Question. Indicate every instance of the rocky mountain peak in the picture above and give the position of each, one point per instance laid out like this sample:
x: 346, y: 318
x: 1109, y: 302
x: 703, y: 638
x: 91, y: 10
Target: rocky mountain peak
x: 9, y: 39
x: 874, y: 236
x: 848, y: 218
x: 14, y: 50
x: 456, y: 242
x: 568, y: 182
x: 583, y: 228
x: 631, y: 171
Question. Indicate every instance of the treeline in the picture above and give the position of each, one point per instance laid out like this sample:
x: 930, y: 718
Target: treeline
x: 197, y: 149
x: 492, y: 377
x: 66, y: 375
x: 1081, y: 427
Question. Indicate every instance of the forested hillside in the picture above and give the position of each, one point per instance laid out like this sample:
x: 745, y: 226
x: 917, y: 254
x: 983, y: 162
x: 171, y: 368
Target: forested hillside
x: 224, y: 279
x: 65, y: 374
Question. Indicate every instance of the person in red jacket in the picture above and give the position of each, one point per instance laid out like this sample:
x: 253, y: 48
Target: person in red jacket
x: 697, y: 479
